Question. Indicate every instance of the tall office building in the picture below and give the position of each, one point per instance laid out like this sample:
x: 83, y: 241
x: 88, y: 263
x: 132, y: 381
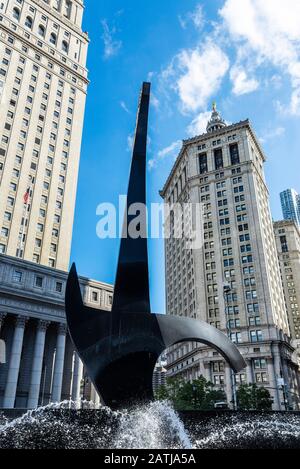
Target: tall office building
x: 232, y: 281
x: 287, y: 235
x: 290, y: 203
x: 43, y: 84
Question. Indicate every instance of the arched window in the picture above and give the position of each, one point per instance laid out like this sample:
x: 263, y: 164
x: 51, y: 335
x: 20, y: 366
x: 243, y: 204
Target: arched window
x: 28, y: 22
x: 41, y: 30
x: 16, y: 13
x: 65, y: 46
x: 53, y: 39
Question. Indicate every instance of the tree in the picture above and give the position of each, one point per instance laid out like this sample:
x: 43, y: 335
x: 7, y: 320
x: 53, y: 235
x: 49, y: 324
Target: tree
x: 253, y: 397
x: 196, y: 395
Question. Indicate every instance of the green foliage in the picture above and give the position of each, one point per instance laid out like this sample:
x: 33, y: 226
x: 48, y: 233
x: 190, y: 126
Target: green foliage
x: 196, y: 395
x: 253, y: 397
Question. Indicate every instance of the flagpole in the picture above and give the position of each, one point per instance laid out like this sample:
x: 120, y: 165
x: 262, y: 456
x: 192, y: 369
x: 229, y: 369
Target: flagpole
x: 26, y: 198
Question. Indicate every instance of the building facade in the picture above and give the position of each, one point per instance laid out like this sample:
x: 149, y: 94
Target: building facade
x: 233, y: 281
x: 41, y: 365
x: 43, y: 85
x: 287, y: 236
x: 290, y: 203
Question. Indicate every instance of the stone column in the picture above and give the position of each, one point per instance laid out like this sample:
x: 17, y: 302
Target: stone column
x: 37, y: 366
x: 274, y: 384
x: 249, y: 371
x: 207, y: 371
x: 14, y: 364
x: 95, y: 398
x: 59, y: 363
x: 228, y: 379
x: 77, y: 378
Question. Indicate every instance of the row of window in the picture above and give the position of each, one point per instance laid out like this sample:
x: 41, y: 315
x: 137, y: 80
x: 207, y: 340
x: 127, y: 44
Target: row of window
x: 38, y: 281
x: 16, y: 12
x: 218, y: 159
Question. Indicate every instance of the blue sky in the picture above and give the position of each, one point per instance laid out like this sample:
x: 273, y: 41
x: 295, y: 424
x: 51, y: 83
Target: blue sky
x: 245, y: 54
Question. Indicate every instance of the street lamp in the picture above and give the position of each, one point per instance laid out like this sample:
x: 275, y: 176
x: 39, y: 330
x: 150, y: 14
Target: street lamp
x: 226, y: 290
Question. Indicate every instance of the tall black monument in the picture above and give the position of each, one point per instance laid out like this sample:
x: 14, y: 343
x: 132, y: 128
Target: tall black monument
x: 120, y: 348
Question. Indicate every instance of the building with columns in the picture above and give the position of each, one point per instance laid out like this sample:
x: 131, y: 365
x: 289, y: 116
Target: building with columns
x: 43, y: 86
x: 41, y: 365
x: 287, y: 235
x: 233, y: 280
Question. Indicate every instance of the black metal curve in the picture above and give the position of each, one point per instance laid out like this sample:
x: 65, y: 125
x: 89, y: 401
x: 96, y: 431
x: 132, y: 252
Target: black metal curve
x: 120, y: 348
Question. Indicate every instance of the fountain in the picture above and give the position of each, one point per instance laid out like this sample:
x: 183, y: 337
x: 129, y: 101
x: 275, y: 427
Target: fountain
x: 150, y: 426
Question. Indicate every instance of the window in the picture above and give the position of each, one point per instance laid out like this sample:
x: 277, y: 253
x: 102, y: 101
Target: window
x: 53, y: 38
x: 41, y: 31
x: 4, y: 232
x: 65, y: 46
x: 234, y: 154
x: 236, y: 337
x: 95, y: 296
x: 39, y: 281
x: 256, y: 336
x: 218, y: 159
x: 28, y: 22
x: 38, y: 242
x: 17, y: 276
x: 2, y: 248
x: 203, y: 163
x: 16, y: 14
x: 58, y: 287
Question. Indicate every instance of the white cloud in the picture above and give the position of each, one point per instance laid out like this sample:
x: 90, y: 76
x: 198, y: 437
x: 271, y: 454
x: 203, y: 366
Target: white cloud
x: 270, y: 30
x: 111, y: 45
x: 130, y: 142
x: 199, y: 124
x: 152, y: 164
x: 155, y: 101
x: 200, y: 73
x: 241, y: 83
x: 271, y: 134
x: 196, y: 17
x: 123, y: 106
x: 170, y: 151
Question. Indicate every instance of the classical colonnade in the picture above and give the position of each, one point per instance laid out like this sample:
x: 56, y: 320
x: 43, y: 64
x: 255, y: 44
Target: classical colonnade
x: 14, y: 361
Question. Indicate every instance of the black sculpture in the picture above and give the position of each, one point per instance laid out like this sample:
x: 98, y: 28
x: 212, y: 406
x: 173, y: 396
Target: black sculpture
x: 120, y: 348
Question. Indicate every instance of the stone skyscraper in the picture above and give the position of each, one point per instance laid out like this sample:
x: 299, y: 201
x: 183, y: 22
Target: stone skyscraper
x: 43, y: 85
x: 287, y: 235
x: 233, y: 282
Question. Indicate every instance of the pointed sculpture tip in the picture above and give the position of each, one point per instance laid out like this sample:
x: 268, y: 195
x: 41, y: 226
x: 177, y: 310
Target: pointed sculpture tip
x: 73, y: 269
x: 146, y: 87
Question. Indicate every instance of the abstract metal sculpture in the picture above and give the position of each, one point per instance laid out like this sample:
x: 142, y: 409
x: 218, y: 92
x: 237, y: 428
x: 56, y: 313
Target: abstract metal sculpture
x: 120, y: 348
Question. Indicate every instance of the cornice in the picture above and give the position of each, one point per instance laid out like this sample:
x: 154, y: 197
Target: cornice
x: 204, y: 137
x: 62, y: 18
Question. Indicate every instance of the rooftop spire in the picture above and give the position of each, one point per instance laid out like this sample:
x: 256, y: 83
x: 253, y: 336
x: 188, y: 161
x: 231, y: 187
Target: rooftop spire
x: 216, y: 122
